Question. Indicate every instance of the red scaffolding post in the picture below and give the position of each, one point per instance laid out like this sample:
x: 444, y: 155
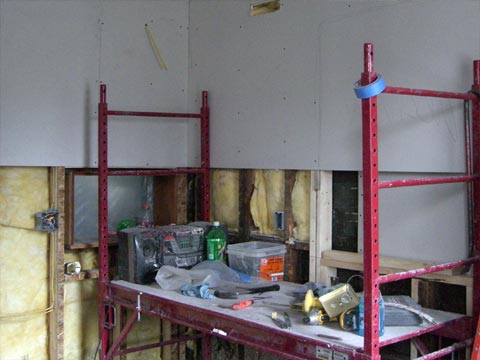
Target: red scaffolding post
x: 372, y: 184
x: 105, y: 307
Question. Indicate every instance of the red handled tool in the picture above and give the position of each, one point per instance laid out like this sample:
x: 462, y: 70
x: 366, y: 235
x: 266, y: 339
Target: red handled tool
x: 242, y: 304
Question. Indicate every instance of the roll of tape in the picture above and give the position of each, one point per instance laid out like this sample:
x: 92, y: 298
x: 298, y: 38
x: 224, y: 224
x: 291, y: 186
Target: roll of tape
x: 370, y: 90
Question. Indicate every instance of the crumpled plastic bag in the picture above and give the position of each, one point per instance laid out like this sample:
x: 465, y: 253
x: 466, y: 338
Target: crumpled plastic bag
x: 172, y: 278
x: 213, y: 273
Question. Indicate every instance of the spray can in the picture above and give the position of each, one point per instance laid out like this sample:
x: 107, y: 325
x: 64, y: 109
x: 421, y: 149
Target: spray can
x: 361, y: 318
x: 216, y: 243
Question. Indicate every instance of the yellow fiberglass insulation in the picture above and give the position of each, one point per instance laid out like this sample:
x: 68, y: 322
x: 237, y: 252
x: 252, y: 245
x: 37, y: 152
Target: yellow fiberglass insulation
x: 225, y: 188
x: 80, y: 310
x: 81, y: 318
x: 24, y: 284
x: 267, y: 197
x: 301, y: 205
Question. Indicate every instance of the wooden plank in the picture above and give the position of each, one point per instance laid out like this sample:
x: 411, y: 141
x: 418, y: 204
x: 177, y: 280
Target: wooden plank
x: 57, y: 241
x: 181, y: 198
x: 166, y: 335
x: 389, y: 265
x: 291, y: 267
x: 386, y: 262
x: 182, y: 347
x: 313, y: 261
x: 69, y: 209
x: 321, y: 226
x: 82, y: 275
x: 165, y: 200
x: 245, y: 193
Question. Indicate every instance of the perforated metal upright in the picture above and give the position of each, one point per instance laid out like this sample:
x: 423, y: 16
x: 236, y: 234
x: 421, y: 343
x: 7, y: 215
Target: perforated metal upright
x: 105, y: 308
x: 371, y: 187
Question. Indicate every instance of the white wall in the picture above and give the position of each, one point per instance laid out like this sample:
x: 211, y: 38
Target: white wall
x: 281, y: 94
x: 423, y: 222
x: 281, y: 84
x: 54, y: 54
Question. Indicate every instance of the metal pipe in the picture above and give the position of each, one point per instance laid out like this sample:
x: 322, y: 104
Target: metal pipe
x: 158, y: 172
x: 475, y: 114
x: 428, y: 93
x: 103, y: 316
x: 370, y: 211
x: 205, y: 157
x: 427, y: 270
x: 152, y: 114
x: 446, y: 350
x: 159, y: 344
x: 468, y: 168
x: 426, y: 181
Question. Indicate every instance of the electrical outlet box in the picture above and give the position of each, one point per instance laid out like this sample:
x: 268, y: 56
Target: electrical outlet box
x: 279, y: 220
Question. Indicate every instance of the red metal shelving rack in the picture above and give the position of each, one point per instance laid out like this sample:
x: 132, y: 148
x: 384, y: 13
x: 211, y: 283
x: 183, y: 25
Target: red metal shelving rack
x: 290, y: 344
x: 105, y: 310
x: 371, y: 187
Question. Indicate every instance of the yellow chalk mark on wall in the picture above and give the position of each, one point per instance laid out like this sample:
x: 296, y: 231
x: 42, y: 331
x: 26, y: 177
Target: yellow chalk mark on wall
x: 155, y: 48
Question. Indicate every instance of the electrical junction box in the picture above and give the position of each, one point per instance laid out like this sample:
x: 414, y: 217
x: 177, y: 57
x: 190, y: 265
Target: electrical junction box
x: 341, y: 299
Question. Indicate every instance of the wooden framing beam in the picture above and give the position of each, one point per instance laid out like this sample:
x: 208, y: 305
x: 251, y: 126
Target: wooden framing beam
x: 170, y: 199
x: 321, y: 206
x: 389, y: 265
x: 245, y: 193
x: 57, y: 241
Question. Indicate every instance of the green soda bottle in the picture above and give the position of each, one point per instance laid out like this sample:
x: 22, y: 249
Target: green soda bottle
x: 216, y: 243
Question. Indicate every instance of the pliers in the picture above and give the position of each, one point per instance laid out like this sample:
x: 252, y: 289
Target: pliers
x: 282, y: 324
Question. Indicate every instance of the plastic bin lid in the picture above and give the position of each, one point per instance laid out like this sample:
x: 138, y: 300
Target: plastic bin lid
x: 255, y: 247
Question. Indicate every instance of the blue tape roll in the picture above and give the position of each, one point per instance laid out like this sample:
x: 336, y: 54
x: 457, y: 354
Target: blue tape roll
x: 370, y: 90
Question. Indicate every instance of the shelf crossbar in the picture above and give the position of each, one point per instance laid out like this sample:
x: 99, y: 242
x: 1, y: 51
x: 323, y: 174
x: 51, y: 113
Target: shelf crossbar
x: 429, y: 93
x: 155, y: 172
x: 427, y: 270
x: 426, y: 181
x: 153, y: 114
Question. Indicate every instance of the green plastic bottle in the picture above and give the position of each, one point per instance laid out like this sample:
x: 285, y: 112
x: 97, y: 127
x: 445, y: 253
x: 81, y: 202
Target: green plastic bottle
x: 216, y: 243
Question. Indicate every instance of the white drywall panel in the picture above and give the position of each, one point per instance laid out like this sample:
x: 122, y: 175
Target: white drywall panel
x: 48, y: 68
x: 281, y: 84
x: 418, y: 44
x: 53, y: 56
x: 261, y: 75
x: 136, y: 81
x: 422, y: 222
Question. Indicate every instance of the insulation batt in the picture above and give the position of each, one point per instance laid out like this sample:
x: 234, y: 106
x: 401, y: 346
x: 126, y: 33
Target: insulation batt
x: 301, y: 205
x: 225, y: 188
x: 23, y: 264
x: 268, y: 196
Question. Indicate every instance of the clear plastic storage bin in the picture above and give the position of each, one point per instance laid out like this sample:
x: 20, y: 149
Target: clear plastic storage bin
x: 258, y: 258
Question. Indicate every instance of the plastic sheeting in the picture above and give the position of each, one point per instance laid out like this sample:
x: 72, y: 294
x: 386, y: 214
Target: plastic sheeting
x: 122, y: 204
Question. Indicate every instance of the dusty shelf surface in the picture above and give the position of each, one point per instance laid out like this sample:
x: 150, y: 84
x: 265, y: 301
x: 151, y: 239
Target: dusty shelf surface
x: 259, y: 314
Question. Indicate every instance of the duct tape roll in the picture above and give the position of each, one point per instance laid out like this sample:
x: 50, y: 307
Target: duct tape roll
x: 370, y: 90
x: 72, y: 268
